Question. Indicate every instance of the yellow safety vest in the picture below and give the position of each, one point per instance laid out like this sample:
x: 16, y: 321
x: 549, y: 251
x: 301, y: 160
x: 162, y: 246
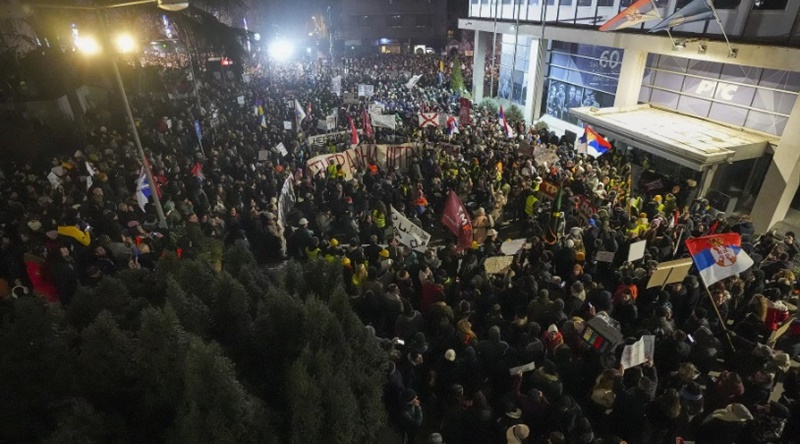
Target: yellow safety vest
x: 379, y: 218
x: 530, y: 204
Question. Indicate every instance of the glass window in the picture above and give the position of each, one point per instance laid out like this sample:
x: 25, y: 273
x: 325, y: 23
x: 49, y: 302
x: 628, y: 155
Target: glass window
x: 424, y: 21
x: 770, y: 5
x: 602, y: 3
x: 584, y: 2
x: 395, y: 21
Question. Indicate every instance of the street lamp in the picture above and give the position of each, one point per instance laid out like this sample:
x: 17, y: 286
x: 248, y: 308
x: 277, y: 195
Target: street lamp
x: 167, y: 5
x: 125, y: 43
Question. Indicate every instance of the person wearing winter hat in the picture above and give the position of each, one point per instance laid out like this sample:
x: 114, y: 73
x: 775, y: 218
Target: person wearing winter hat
x: 411, y: 416
x: 517, y: 434
x: 724, y: 425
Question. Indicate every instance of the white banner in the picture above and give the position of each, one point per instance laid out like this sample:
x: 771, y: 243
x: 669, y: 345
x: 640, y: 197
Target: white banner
x: 413, y: 81
x: 386, y: 156
x: 336, y: 85
x: 324, y: 139
x: 383, y: 120
x: 428, y: 119
x: 286, y: 200
x: 376, y: 108
x: 408, y: 233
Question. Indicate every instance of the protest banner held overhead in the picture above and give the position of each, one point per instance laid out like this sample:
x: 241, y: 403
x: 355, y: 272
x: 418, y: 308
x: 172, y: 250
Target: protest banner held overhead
x: 386, y: 156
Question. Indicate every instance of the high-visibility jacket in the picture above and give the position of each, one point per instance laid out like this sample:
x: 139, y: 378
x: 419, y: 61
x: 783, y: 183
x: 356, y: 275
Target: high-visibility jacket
x: 379, y: 218
x: 530, y: 204
x: 330, y: 171
x: 312, y: 254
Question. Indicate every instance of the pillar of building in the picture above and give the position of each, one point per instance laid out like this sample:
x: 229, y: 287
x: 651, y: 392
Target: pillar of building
x: 631, y: 74
x: 481, y: 46
x: 782, y: 179
x: 537, y: 66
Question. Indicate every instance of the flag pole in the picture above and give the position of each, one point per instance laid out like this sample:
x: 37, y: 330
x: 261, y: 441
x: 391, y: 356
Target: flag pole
x: 731, y: 52
x: 719, y: 315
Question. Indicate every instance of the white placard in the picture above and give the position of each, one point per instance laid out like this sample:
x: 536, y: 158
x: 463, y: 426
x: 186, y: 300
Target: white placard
x: 637, y: 251
x: 638, y: 352
x: 522, y: 368
x: 282, y: 149
x: 408, y: 233
x: 240, y: 100
x: 512, y: 247
x: 605, y: 256
x: 263, y: 155
x: 287, y: 125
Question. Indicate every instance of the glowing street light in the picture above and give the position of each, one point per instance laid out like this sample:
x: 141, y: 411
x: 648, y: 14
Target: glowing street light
x: 87, y: 45
x: 280, y: 50
x: 125, y: 43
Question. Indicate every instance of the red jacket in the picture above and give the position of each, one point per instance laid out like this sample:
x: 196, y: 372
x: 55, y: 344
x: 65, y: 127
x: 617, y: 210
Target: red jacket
x: 40, y: 278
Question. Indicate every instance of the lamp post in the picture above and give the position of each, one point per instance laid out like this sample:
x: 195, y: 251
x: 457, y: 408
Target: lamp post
x: 167, y: 5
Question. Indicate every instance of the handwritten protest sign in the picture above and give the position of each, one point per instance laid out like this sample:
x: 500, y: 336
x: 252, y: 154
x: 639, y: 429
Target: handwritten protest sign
x: 386, y: 156
x: 638, y: 352
x: 408, y: 233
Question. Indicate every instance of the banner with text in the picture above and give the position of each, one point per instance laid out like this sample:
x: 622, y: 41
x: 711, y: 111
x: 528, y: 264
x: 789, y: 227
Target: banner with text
x: 408, y: 233
x: 386, y: 156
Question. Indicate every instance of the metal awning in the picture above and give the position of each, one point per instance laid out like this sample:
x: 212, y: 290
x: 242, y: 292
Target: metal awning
x: 689, y: 141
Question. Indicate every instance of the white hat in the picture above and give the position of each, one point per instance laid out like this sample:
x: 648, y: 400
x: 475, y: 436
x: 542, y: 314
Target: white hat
x: 491, y: 232
x: 450, y: 355
x: 303, y: 222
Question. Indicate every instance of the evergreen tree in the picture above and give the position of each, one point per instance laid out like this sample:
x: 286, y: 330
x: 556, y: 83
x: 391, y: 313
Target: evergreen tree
x: 457, y: 79
x: 135, y: 359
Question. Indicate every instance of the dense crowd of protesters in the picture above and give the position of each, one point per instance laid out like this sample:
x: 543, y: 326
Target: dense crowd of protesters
x: 453, y: 331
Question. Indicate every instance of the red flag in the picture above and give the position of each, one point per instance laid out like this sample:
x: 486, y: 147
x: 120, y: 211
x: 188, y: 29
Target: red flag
x: 197, y: 171
x: 456, y: 218
x: 309, y: 109
x: 464, y: 118
x: 156, y: 184
x: 353, y: 132
x: 367, y: 123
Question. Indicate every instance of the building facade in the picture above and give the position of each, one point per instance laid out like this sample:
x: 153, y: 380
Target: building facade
x: 392, y: 25
x: 727, y: 116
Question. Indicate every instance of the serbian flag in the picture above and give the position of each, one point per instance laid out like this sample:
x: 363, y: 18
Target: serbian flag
x: 367, y: 123
x: 696, y: 11
x: 452, y: 126
x: 719, y: 256
x: 353, y: 132
x: 197, y: 171
x: 635, y: 14
x: 595, y: 144
x: 501, y: 115
x: 456, y: 218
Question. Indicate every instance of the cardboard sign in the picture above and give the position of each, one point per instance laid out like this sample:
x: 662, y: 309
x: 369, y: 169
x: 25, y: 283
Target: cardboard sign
x: 670, y: 272
x: 498, y: 264
x: 636, y: 251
